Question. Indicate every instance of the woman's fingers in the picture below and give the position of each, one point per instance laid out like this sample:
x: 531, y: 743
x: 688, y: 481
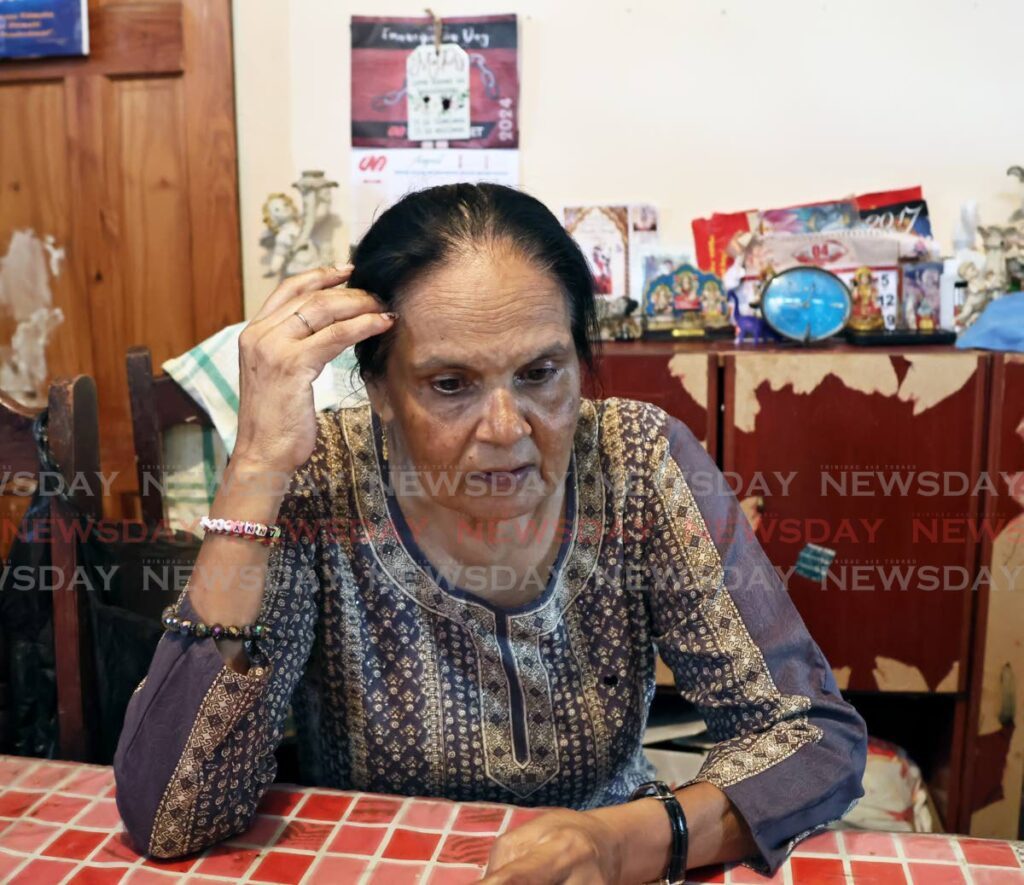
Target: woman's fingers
x: 326, y: 344
x: 303, y: 284
x: 321, y: 310
x: 545, y: 865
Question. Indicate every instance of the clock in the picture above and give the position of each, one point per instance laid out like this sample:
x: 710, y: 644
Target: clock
x: 806, y: 303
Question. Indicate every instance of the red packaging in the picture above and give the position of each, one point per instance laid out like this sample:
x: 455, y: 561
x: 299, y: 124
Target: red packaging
x: 887, y: 198
x: 714, y: 239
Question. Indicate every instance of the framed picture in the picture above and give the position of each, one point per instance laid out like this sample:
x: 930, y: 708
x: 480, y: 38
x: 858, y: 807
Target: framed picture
x: 43, y: 28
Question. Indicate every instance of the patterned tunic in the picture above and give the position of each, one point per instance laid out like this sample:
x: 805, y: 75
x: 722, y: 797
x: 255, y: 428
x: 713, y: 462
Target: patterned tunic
x: 401, y: 683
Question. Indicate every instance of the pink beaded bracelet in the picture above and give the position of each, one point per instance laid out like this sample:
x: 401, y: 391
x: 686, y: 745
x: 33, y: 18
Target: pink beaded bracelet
x: 251, y: 531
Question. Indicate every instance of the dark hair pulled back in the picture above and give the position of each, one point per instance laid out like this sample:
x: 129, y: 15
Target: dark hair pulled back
x: 428, y: 228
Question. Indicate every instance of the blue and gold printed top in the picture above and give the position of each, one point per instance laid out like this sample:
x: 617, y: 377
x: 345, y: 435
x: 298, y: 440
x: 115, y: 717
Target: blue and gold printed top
x: 403, y: 684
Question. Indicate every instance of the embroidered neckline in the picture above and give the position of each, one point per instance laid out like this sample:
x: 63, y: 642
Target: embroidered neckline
x: 416, y: 553
x: 575, y: 563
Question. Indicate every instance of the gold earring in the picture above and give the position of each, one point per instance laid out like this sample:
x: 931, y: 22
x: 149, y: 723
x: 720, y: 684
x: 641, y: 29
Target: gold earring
x: 383, y: 442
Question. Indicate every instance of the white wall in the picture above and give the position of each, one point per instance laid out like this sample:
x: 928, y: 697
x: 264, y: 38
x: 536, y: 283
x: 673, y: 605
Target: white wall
x: 695, y: 106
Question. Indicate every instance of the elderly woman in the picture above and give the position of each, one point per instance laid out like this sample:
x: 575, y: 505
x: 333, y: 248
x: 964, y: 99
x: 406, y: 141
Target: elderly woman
x: 472, y: 578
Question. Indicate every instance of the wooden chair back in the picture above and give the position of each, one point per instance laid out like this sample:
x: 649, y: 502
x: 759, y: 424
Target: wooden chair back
x: 157, y: 403
x: 73, y: 442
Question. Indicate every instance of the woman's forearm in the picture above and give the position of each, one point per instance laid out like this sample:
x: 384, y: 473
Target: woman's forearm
x: 717, y: 832
x: 228, y: 579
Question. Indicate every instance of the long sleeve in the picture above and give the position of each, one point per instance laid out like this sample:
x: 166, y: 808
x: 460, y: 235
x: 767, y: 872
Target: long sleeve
x: 791, y: 752
x: 197, y: 748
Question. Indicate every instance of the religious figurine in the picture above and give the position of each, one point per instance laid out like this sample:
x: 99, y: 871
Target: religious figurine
x: 617, y: 319
x: 866, y: 315
x: 686, y: 297
x: 744, y: 294
x: 298, y: 241
x: 714, y: 305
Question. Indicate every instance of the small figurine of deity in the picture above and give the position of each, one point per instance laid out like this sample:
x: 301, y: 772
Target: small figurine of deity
x: 866, y: 315
x: 686, y: 297
x: 714, y: 305
x: 660, y: 303
x: 925, y: 315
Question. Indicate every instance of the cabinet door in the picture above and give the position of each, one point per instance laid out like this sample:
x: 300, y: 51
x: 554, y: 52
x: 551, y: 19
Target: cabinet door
x: 995, y: 757
x: 872, y: 458
x: 684, y: 384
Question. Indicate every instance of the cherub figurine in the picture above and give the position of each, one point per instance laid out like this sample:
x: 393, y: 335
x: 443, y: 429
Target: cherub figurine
x: 866, y: 315
x: 979, y: 293
x: 993, y: 241
x: 299, y: 241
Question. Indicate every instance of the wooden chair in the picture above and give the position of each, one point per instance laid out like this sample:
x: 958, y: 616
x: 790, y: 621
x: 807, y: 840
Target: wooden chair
x: 73, y: 430
x: 157, y: 404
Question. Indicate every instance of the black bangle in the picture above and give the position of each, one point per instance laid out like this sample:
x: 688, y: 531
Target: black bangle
x: 680, y: 834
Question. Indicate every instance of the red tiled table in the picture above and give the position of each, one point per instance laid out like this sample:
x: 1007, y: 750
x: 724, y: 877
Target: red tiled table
x: 58, y: 823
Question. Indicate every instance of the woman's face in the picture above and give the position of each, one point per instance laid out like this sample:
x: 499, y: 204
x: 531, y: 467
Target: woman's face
x: 482, y: 388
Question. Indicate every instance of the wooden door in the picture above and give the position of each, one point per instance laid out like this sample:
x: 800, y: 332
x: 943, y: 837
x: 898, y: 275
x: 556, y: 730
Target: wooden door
x: 128, y: 159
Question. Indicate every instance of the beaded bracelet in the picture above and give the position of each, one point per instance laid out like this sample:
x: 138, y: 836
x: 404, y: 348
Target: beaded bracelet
x: 197, y: 629
x: 250, y: 531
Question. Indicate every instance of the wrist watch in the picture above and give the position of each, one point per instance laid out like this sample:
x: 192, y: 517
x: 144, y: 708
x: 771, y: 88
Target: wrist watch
x: 676, y: 870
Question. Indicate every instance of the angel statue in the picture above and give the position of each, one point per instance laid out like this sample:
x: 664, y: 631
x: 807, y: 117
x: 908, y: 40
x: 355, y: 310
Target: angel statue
x: 297, y: 240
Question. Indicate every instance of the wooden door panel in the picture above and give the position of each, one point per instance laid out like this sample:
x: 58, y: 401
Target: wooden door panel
x: 129, y: 158
x: 844, y: 450
x: 34, y: 194
x: 155, y: 217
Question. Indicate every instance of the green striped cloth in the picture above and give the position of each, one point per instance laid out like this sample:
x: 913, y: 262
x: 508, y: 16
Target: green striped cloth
x: 194, y: 457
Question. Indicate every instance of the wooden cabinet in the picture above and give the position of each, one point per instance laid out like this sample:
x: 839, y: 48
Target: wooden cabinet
x: 887, y: 461
x: 684, y: 384
x: 873, y: 458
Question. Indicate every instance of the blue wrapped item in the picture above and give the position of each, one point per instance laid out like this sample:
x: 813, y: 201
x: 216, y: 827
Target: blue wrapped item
x: 1000, y: 326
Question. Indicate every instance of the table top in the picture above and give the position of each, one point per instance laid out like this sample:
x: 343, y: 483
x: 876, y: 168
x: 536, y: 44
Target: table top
x: 58, y: 823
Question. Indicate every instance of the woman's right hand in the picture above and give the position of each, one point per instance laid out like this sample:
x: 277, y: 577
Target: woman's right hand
x: 280, y: 357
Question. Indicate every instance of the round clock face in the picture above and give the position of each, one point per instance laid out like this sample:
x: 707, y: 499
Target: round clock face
x: 806, y: 303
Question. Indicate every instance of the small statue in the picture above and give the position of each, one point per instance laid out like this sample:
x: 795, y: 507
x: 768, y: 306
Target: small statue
x: 866, y: 315
x: 744, y: 295
x: 993, y: 241
x: 617, y: 320
x: 1015, y: 254
x: 298, y: 242
x: 979, y: 293
x: 714, y: 305
x: 686, y: 291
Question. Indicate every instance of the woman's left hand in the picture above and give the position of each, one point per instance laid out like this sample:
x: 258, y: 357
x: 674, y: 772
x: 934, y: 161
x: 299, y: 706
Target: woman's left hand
x: 570, y: 847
